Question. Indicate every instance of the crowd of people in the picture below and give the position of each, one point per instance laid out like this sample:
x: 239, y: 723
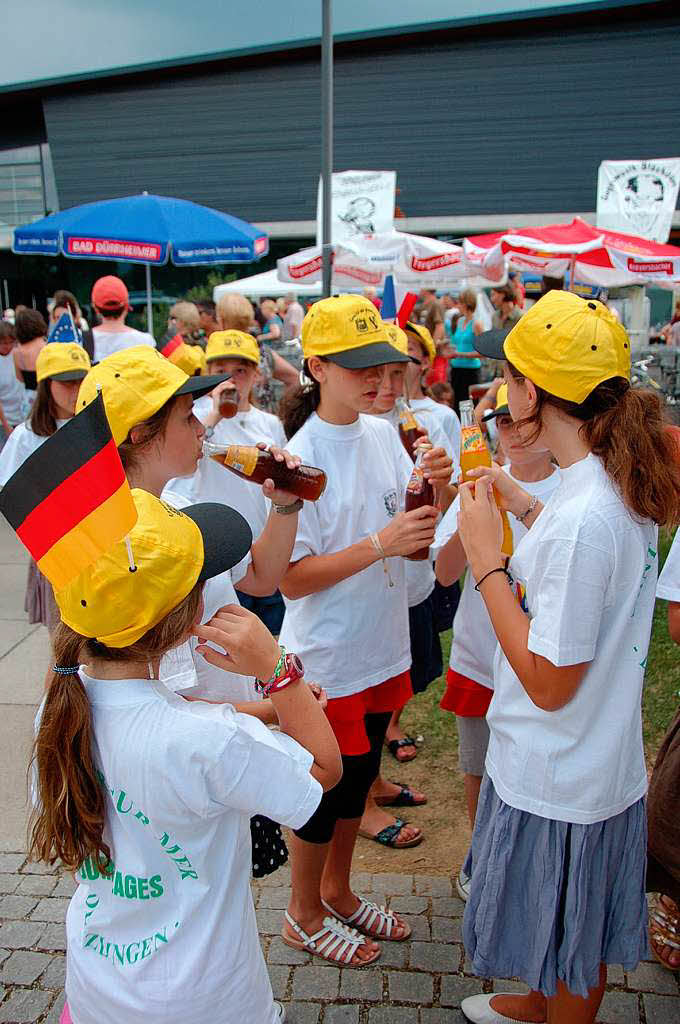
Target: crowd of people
x: 160, y: 779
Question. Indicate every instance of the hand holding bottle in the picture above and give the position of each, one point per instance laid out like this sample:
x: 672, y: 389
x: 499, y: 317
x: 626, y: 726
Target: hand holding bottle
x: 509, y: 495
x: 409, y: 531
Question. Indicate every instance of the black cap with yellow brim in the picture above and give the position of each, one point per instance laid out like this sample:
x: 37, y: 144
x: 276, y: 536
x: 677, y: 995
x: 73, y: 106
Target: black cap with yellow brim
x: 136, y: 383
x: 490, y: 343
x: 349, y: 331
x: 502, y: 408
x: 137, y: 582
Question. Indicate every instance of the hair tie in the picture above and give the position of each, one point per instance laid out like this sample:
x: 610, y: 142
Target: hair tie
x: 66, y: 670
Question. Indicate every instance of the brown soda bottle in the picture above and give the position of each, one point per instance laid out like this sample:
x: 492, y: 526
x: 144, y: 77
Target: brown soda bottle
x: 228, y: 403
x: 418, y: 493
x: 474, y: 452
x: 252, y: 463
x: 410, y: 430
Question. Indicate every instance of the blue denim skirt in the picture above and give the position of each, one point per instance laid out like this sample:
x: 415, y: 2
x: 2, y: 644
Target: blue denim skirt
x: 550, y: 900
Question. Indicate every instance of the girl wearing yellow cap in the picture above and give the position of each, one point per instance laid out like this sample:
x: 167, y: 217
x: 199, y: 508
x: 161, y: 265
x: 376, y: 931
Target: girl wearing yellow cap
x: 59, y: 368
x: 347, y: 607
x: 558, y: 854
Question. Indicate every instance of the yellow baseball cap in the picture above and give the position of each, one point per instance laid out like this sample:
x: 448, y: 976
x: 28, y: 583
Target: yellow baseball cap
x: 568, y: 345
x: 425, y: 339
x: 348, y: 330
x: 136, y: 383
x: 502, y: 407
x: 62, y: 360
x: 117, y: 602
x: 232, y: 345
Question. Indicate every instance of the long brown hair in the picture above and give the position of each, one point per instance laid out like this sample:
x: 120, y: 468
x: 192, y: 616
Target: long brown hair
x: 627, y: 429
x: 43, y: 418
x: 68, y: 821
x: 298, y: 405
x: 149, y: 430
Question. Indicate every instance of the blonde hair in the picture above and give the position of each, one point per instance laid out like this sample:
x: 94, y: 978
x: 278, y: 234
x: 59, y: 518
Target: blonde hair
x: 234, y: 312
x: 187, y: 315
x: 469, y: 299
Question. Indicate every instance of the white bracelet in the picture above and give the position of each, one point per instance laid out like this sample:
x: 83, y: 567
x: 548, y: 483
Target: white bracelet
x: 376, y: 542
x: 532, y: 505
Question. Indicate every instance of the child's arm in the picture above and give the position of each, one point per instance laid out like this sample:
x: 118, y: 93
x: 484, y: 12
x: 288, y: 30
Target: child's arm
x: 252, y: 650
x: 674, y: 621
x: 408, y: 532
x: 451, y: 561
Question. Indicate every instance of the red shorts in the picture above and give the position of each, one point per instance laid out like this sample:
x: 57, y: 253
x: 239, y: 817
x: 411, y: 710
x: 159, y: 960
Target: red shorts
x: 346, y: 714
x: 465, y: 697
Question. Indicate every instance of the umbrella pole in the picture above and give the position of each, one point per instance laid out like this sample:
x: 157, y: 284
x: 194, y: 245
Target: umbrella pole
x: 326, y: 140
x: 149, y: 310
x: 572, y: 273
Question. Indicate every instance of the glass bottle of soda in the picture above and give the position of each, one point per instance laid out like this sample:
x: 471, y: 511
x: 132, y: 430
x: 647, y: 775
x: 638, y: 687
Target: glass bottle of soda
x: 228, y: 403
x: 255, y: 464
x: 409, y: 429
x: 474, y: 452
x: 418, y: 493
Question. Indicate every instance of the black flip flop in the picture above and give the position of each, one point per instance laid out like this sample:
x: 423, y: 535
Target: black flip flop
x: 394, y: 745
x: 388, y: 836
x: 404, y: 798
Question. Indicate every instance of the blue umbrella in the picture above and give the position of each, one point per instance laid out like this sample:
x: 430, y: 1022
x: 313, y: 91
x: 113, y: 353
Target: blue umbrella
x: 144, y: 229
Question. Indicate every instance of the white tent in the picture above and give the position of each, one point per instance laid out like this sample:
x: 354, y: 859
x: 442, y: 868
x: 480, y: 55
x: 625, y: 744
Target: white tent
x: 267, y: 283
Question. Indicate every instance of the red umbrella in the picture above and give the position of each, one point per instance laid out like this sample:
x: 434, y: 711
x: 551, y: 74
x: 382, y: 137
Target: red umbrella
x: 599, y: 257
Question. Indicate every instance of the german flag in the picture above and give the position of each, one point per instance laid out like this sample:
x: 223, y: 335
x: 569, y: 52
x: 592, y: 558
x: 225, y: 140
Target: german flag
x: 189, y: 358
x: 70, y: 501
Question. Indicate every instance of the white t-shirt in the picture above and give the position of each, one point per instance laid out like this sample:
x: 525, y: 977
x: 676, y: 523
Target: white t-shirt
x: 427, y: 409
x: 108, y: 342
x: 585, y: 574
x: 182, y: 668
x: 668, y: 587
x: 355, y: 634
x: 21, y: 443
x: 474, y: 641
x: 212, y: 482
x: 173, y: 936
x: 12, y: 391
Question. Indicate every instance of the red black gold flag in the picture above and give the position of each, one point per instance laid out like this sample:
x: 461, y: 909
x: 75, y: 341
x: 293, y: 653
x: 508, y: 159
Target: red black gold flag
x: 70, y: 500
x: 188, y: 358
x: 170, y: 344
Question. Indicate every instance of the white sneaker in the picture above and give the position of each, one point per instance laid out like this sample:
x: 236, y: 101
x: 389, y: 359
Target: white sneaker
x: 281, y: 1011
x: 478, y: 1010
x: 463, y: 885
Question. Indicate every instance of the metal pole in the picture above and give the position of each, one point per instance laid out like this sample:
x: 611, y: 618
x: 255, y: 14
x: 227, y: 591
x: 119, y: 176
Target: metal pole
x: 149, y: 310
x: 326, y: 139
x: 572, y: 274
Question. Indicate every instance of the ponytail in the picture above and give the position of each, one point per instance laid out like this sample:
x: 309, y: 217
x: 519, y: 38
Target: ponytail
x: 298, y: 405
x: 628, y: 430
x: 68, y: 821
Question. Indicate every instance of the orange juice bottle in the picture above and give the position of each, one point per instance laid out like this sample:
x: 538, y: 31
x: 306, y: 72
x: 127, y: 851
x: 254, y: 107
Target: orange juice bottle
x: 474, y: 452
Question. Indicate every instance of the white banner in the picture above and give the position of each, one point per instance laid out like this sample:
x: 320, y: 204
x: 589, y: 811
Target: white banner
x: 362, y: 203
x: 638, y: 196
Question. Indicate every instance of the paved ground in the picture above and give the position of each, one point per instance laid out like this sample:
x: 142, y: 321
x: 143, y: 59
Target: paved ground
x: 418, y: 982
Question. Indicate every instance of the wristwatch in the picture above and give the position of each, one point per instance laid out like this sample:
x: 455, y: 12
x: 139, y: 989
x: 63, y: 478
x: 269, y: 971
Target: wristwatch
x: 288, y: 510
x: 288, y: 670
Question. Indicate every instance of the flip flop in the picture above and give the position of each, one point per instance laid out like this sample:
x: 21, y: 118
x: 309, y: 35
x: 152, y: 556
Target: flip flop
x: 405, y: 798
x: 395, y: 745
x: 388, y: 836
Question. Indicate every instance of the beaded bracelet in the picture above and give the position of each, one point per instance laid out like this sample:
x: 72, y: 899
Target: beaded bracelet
x: 260, y: 684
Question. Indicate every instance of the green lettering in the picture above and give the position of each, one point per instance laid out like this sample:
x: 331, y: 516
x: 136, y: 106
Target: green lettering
x: 140, y: 816
x: 187, y: 874
x: 104, y: 951
x: 91, y: 869
x: 146, y: 948
x: 118, y: 885
x: 181, y: 860
x: 128, y: 952
x: 130, y: 887
x: 119, y: 954
x: 156, y: 885
x: 90, y: 940
x: 142, y: 888
x: 160, y: 937
x: 120, y: 804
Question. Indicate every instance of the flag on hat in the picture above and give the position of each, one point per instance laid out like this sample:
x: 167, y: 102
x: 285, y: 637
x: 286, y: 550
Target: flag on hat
x: 65, y: 330
x: 70, y: 500
x: 397, y: 303
x: 189, y: 358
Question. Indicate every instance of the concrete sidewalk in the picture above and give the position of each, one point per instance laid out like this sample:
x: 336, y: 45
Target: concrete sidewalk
x: 417, y: 982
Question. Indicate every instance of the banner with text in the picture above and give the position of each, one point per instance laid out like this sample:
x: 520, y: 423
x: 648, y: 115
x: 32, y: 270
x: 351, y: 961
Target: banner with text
x: 638, y: 196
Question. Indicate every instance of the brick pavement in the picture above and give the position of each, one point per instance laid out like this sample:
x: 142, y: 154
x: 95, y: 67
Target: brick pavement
x: 418, y: 982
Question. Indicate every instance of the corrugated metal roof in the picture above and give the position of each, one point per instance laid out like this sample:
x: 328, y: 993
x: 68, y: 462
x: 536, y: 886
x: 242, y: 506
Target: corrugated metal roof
x: 48, y: 45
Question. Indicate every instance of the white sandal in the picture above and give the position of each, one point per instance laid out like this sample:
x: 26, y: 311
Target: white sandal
x: 364, y: 917
x: 333, y: 942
